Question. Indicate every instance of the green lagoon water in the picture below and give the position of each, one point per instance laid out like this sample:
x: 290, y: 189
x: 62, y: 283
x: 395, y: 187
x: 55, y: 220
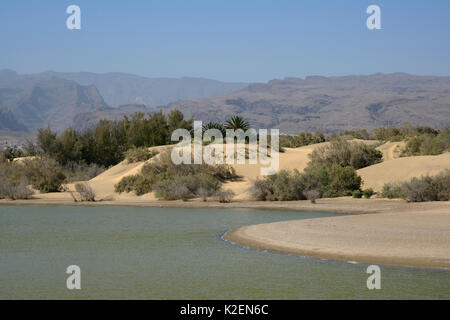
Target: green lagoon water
x: 161, y: 253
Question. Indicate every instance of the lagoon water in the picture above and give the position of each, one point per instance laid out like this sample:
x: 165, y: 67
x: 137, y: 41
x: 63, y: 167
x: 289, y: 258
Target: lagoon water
x: 162, y: 253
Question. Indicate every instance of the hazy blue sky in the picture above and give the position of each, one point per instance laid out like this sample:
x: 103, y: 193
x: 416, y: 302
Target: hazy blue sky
x: 230, y: 40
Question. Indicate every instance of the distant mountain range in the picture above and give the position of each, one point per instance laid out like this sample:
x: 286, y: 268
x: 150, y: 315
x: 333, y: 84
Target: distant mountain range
x: 35, y: 100
x: 332, y: 104
x: 122, y: 88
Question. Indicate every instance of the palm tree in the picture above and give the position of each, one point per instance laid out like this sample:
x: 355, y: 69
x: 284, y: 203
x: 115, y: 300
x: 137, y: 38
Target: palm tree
x: 214, y: 125
x: 237, y: 122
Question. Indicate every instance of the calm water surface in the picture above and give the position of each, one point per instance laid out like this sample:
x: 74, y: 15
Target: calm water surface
x: 161, y: 253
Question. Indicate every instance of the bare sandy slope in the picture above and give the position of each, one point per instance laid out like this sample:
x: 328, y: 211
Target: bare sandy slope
x: 418, y: 237
x: 391, y: 150
x: 403, y: 169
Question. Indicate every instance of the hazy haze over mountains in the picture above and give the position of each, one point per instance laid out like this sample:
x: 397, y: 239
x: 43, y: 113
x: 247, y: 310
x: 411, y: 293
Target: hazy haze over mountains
x: 292, y: 104
x: 332, y: 104
x: 123, y: 88
x: 62, y: 99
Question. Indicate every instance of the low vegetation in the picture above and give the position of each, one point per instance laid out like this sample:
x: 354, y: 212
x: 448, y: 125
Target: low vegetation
x: 343, y: 153
x: 13, y: 183
x: 74, y: 171
x: 139, y: 154
x: 286, y: 185
x: 44, y: 174
x: 421, y: 140
x: 426, y: 188
x: 85, y: 192
x: 427, y: 144
x: 302, y: 139
x: 173, y: 182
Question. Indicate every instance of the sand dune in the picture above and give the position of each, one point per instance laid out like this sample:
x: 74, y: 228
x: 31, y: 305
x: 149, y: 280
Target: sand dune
x: 392, y: 169
x: 403, y: 169
x: 391, y: 150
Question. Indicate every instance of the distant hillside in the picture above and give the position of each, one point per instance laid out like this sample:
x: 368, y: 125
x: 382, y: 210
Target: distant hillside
x: 89, y: 119
x: 35, y: 102
x: 64, y: 99
x: 9, y: 122
x: 122, y: 88
x: 332, y: 104
x: 316, y: 103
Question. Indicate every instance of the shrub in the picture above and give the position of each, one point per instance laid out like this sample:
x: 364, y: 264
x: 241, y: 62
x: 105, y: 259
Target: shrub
x: 188, y: 187
x: 418, y: 190
x: 442, y: 186
x: 312, y: 195
x: 137, y: 183
x: 139, y: 154
x: 343, y: 181
x: 172, y: 190
x: 340, y: 152
x: 262, y: 189
x: 302, y: 139
x: 13, y: 183
x: 204, y: 194
x: 315, y: 179
x: 225, y: 196
x: 368, y: 193
x: 428, y: 188
x: 287, y: 186
x: 85, y: 191
x: 15, y: 190
x: 357, y: 194
x: 163, y: 176
x: 45, y: 174
x: 392, y: 191
x: 75, y: 171
x: 427, y: 144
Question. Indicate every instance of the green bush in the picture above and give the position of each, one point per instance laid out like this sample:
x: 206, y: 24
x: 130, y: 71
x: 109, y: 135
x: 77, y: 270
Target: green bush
x: 392, y: 191
x: 428, y: 188
x: 368, y: 193
x: 340, y: 152
x: 262, y: 189
x: 172, y: 182
x: 288, y: 186
x: 137, y: 183
x: 172, y: 190
x: 357, y: 194
x: 139, y: 154
x: 292, y: 185
x: 343, y: 181
x: 188, y: 187
x: 13, y: 183
x: 44, y: 174
x: 302, y: 139
x: 427, y: 144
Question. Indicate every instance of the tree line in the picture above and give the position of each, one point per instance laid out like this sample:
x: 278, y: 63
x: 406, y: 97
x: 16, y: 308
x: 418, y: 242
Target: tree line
x: 106, y: 143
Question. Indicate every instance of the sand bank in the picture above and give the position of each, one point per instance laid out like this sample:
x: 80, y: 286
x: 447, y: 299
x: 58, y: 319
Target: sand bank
x: 405, y: 235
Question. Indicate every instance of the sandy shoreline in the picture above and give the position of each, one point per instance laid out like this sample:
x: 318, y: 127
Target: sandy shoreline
x: 379, y: 231
x: 413, y: 236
